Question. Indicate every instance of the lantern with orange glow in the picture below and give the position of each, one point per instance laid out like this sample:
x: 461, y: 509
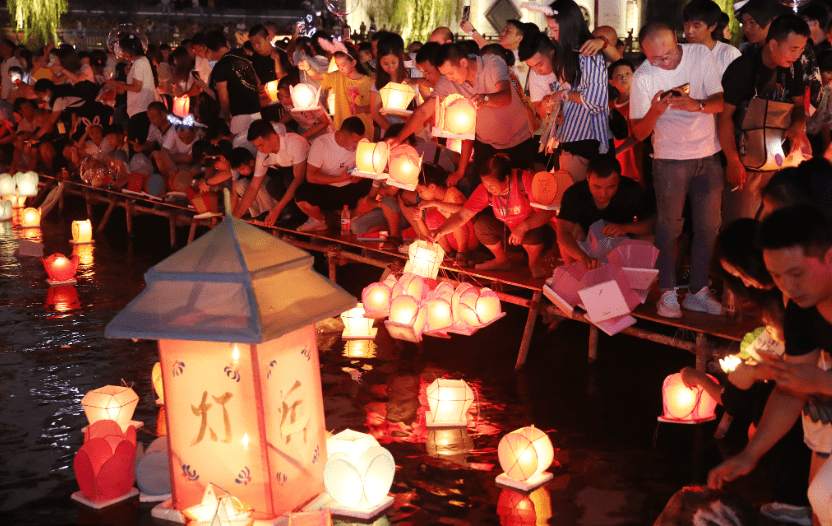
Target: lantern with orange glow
x: 104, y: 465
x: 449, y: 402
x: 407, y: 319
x: 439, y: 317
x: 370, y: 159
x: 271, y: 90
x: 30, y: 218
x: 525, y: 455
x: 181, y: 106
x: 6, y: 210
x: 62, y: 298
x: 410, y: 284
x: 475, y: 308
x: 304, y: 97
x: 220, y: 508
x: 111, y: 402
x: 456, y: 118
x: 358, y: 472
x: 158, y: 386
x: 356, y: 325
x: 450, y: 445
x: 60, y: 269
x: 686, y: 405
x: 395, y: 98
x: 27, y: 183
x: 376, y: 300
x: 81, y: 232
x: 7, y: 186
x: 405, y: 166
x: 240, y: 368
x: 424, y: 258
x: 521, y: 509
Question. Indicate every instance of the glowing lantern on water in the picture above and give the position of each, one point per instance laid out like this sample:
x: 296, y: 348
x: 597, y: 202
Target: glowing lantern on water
x: 158, y: 386
x: 271, y: 90
x: 60, y: 269
x: 239, y: 358
x: 359, y: 472
x: 686, y: 405
x: 520, y: 509
x: 27, y: 183
x: 370, y: 157
x: 6, y: 210
x: 304, y: 97
x: 111, y: 402
x: 410, y: 284
x: 407, y: 319
x: 376, y: 300
x: 424, y: 258
x: 81, y: 232
x: 456, y: 118
x: 7, y: 185
x: 31, y: 218
x: 525, y: 455
x: 104, y: 465
x: 356, y: 326
x: 395, y: 98
x: 181, y: 106
x: 220, y: 510
x: 405, y: 166
x: 449, y: 401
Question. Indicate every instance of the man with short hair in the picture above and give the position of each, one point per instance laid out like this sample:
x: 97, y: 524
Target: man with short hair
x: 817, y: 16
x: 262, y: 59
x: 442, y: 35
x: 686, y: 160
x: 329, y: 186
x: 701, y: 18
x: 603, y: 195
x: 199, y: 49
x: 234, y: 83
x: 755, y: 17
x: 510, y: 38
x: 283, y: 157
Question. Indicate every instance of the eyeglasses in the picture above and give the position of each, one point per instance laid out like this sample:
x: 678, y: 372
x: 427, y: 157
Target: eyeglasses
x: 666, y: 59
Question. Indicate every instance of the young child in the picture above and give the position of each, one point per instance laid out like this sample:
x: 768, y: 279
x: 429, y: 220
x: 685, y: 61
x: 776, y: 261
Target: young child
x: 628, y: 151
x: 311, y: 124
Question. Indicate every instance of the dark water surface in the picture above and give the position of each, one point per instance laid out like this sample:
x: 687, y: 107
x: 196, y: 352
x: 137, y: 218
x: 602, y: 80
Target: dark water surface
x: 601, y: 418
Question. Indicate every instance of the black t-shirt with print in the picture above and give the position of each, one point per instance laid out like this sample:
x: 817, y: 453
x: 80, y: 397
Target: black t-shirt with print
x: 240, y: 78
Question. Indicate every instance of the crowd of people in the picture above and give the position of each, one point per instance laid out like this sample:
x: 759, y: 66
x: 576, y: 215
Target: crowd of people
x: 692, y: 140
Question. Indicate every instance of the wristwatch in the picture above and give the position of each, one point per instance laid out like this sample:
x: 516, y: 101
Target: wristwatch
x: 471, y: 33
x: 485, y: 98
x: 701, y: 105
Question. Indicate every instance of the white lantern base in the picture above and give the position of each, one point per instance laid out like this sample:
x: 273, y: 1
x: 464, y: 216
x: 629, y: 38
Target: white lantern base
x: 101, y: 504
x: 134, y: 423
x: 437, y: 132
x: 167, y: 512
x: 90, y: 242
x: 431, y: 423
x: 402, y: 332
x: 541, y: 206
x: 674, y: 421
x: 465, y: 330
x: 525, y: 485
x: 369, y: 175
x: 564, y: 306
x: 397, y: 113
x: 53, y: 283
x: 364, y: 513
x: 408, y: 187
x: 143, y: 497
x: 370, y: 336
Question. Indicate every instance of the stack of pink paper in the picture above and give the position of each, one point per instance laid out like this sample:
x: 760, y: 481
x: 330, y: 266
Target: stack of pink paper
x: 599, y: 245
x: 637, y: 258
x: 562, y: 288
x: 608, y: 298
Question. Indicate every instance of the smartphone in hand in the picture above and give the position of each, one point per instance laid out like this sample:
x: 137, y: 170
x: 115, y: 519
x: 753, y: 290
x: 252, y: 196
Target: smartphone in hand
x: 466, y: 12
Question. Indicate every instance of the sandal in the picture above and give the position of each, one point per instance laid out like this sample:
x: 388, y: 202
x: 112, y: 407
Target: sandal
x: 391, y: 243
x: 461, y: 259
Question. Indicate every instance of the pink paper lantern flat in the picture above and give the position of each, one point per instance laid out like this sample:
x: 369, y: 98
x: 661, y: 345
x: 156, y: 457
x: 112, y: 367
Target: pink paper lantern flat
x: 562, y: 288
x: 606, y: 293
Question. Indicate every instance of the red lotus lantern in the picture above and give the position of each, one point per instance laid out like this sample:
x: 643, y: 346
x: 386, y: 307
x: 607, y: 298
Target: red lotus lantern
x: 686, y: 405
x: 61, y: 270
x: 271, y: 90
x: 104, y: 465
x: 182, y: 106
x: 456, y: 118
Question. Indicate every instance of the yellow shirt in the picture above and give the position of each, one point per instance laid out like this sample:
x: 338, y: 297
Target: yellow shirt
x: 349, y: 94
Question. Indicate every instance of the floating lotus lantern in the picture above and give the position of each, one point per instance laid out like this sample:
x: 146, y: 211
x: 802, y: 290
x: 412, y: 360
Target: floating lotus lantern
x: 7, y: 186
x: 158, y: 386
x: 479, y: 307
x: 6, y: 210
x: 304, y: 97
x: 686, y: 405
x: 271, y: 90
x: 104, y: 465
x: 424, y: 258
x: 30, y: 218
x: 407, y: 319
x: 449, y: 401
x: 220, y: 508
x: 111, y: 402
x: 410, y: 284
x: 405, y: 166
x: 370, y: 159
x: 81, y: 232
x: 358, y: 473
x: 60, y: 269
x: 356, y: 325
x: 27, y: 183
x: 525, y: 455
x: 439, y: 317
x: 181, y: 106
x: 456, y: 118
x: 376, y: 300
x: 395, y: 98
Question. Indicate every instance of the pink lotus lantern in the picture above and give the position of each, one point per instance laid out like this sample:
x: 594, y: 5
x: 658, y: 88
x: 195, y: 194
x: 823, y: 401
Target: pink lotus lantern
x: 449, y: 401
x: 480, y: 308
x: 637, y: 258
x: 456, y: 118
x: 27, y: 183
x: 395, y: 97
x: 686, y: 405
x: 304, y: 97
x: 411, y: 285
x: 104, y: 465
x: 376, y: 300
x: 31, y: 218
x: 370, y: 159
x: 407, y: 319
x: 181, y: 106
x: 61, y: 270
x: 405, y: 166
x: 525, y: 455
x: 6, y: 210
x: 7, y: 186
x: 271, y: 90
x: 439, y: 316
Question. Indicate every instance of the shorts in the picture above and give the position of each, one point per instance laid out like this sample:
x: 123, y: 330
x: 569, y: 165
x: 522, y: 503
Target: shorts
x: 333, y: 198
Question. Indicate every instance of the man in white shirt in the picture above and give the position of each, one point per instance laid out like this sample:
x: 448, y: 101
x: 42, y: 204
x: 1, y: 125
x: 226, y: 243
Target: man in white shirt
x: 701, y: 19
x: 686, y: 158
x: 283, y: 156
x: 329, y: 185
x: 9, y: 60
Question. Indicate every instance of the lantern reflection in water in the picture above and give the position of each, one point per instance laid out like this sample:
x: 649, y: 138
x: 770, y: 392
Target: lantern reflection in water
x: 6, y: 210
x: 451, y: 445
x: 518, y: 509
x: 62, y: 298
x: 84, y: 253
x: 360, y: 349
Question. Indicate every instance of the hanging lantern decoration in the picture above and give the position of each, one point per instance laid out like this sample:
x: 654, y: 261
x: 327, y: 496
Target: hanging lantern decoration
x: 271, y: 90
x: 686, y: 405
x: 60, y: 269
x: 395, y: 98
x: 376, y: 300
x: 304, y: 97
x: 7, y: 186
x: 81, y: 232
x: 220, y: 508
x: 158, y: 386
x: 358, y: 472
x: 30, y: 218
x: 405, y: 167
x: 525, y: 455
x: 456, y: 118
x: 111, y: 402
x: 410, y: 284
x: 6, y: 209
x: 27, y: 184
x: 521, y: 509
x: 370, y: 159
x: 182, y: 106
x: 104, y: 466
x: 356, y: 325
x: 360, y: 349
x: 424, y: 258
x: 407, y: 319
x: 449, y: 401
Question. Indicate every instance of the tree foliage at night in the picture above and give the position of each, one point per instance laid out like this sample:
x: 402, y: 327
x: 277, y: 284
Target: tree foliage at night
x: 38, y: 19
x: 413, y: 20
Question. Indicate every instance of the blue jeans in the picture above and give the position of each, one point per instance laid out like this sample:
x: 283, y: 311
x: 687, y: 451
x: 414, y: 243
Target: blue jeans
x: 673, y: 180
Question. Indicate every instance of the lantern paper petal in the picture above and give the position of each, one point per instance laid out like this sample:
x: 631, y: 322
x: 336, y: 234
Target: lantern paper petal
x: 411, y: 285
x: 104, y: 463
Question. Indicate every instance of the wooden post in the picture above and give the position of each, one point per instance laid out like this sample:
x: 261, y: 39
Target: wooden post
x: 534, y: 309
x: 192, y: 231
x: 593, y: 343
x: 128, y: 210
x: 106, y: 217
x: 172, y: 217
x: 701, y: 351
x: 332, y: 255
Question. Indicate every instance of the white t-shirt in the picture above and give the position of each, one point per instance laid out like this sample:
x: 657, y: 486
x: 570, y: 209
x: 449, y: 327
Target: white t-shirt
x: 540, y: 86
x: 330, y: 158
x: 203, y: 67
x: 154, y: 134
x: 680, y: 135
x: 294, y: 149
x: 175, y: 145
x: 724, y: 54
x: 138, y: 102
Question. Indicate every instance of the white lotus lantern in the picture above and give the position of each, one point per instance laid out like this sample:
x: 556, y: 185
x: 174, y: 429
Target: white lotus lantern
x: 356, y: 325
x: 525, y: 455
x: 358, y: 472
x: 456, y: 118
x: 305, y: 97
x: 27, y: 183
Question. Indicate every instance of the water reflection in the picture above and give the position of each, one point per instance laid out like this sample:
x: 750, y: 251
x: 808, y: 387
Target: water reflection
x: 451, y: 446
x: 85, y: 259
x: 518, y: 509
x: 360, y: 349
x: 62, y: 298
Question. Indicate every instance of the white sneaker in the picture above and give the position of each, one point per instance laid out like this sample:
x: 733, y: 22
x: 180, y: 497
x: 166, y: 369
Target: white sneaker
x: 787, y: 513
x: 703, y: 301
x: 668, y: 306
x: 312, y: 225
